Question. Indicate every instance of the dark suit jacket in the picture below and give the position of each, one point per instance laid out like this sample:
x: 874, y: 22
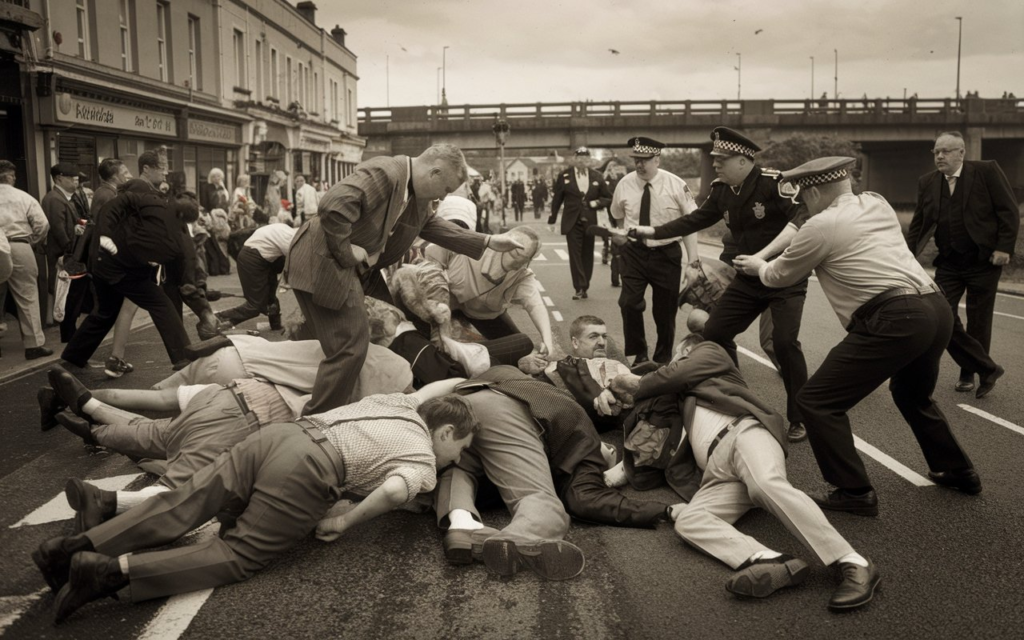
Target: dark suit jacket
x: 63, y: 217
x: 577, y: 204
x: 990, y: 209
x: 708, y: 377
x: 365, y: 209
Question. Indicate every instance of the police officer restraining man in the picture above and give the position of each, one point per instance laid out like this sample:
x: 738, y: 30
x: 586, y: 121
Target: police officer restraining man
x: 762, y: 220
x: 898, y: 325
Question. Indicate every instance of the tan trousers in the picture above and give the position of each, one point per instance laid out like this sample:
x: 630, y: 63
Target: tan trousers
x: 23, y: 285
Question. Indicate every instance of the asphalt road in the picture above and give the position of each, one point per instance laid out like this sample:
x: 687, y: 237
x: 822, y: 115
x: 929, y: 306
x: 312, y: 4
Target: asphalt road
x: 951, y: 564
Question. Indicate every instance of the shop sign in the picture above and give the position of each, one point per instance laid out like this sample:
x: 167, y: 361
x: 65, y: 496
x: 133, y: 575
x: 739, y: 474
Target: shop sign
x: 205, y: 131
x: 93, y: 113
x: 314, y: 144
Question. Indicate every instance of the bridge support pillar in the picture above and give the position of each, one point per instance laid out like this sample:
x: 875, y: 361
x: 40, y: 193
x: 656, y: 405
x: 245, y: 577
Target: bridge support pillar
x: 972, y: 140
x: 707, y: 175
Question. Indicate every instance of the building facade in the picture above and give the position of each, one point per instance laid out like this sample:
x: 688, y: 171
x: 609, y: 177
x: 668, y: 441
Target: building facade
x: 246, y: 86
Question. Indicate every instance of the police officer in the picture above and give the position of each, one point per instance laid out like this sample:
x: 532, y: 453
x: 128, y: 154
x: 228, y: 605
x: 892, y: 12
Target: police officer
x: 762, y: 220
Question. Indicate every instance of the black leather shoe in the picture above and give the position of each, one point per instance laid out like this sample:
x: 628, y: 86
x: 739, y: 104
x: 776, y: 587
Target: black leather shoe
x: 764, y: 577
x: 964, y: 385
x: 70, y: 389
x: 987, y: 382
x: 549, y: 559
x: 50, y: 405
x: 37, y: 352
x: 462, y: 546
x: 841, y: 500
x: 965, y: 480
x: 92, y: 576
x: 797, y: 432
x: 53, y: 558
x: 857, y: 588
x: 92, y: 505
x: 76, y: 425
x: 577, y: 295
x: 583, y: 294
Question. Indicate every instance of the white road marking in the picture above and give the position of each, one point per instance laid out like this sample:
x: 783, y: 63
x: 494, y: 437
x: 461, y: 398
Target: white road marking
x: 178, y: 612
x: 996, y: 419
x: 540, y: 256
x: 562, y: 254
x: 540, y: 287
x: 998, y: 313
x: 555, y: 244
x: 12, y: 607
x: 753, y: 356
x: 548, y: 301
x: 58, y: 509
x: 557, y: 316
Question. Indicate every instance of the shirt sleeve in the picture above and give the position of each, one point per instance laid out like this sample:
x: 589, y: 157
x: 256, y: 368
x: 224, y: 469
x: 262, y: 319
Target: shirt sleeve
x: 418, y: 478
x: 37, y: 220
x: 807, y: 250
x: 618, y: 209
x: 699, y: 218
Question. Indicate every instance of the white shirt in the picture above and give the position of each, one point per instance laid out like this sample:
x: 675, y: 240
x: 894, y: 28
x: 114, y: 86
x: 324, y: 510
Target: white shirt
x: 272, y: 240
x: 21, y: 216
x: 707, y: 424
x: 670, y: 199
x: 952, y: 180
x: 307, y: 199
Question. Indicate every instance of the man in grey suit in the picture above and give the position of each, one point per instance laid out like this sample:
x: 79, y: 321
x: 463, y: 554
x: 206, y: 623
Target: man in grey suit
x: 365, y: 223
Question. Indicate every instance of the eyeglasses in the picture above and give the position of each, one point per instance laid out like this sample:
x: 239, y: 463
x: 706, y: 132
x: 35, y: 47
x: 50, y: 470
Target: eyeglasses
x: 939, y: 152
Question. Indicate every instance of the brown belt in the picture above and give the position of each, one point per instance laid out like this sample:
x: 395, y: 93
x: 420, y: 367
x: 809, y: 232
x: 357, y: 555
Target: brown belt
x: 22, y: 240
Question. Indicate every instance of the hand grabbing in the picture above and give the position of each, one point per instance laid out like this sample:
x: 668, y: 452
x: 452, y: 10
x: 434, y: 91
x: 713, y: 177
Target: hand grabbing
x: 108, y: 245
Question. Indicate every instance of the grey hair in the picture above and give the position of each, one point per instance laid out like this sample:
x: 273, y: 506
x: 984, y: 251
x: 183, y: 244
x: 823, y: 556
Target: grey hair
x: 450, y: 155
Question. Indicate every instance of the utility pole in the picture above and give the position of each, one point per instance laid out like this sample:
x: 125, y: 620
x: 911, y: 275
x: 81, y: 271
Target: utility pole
x: 387, y: 76
x: 835, y: 89
x: 439, y: 85
x: 739, y: 74
x: 444, y: 75
x: 959, y: 43
x: 812, y: 77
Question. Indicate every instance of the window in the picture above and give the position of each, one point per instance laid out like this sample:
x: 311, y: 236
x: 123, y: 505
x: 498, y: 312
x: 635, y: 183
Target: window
x: 82, y: 18
x: 124, y: 15
x: 316, y: 91
x: 298, y: 81
x: 163, y: 40
x: 240, y: 79
x: 289, y: 80
x: 349, y: 108
x: 195, y: 67
x: 259, y: 70
x: 334, y: 100
x: 275, y: 76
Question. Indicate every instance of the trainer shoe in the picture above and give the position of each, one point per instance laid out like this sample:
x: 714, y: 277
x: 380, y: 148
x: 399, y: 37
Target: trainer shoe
x: 116, y: 367
x: 761, y: 578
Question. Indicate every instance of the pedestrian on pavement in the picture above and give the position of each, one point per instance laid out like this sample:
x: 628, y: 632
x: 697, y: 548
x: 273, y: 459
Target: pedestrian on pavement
x: 366, y: 223
x: 214, y: 195
x: 540, y: 196
x: 307, y: 199
x: 23, y: 224
x: 63, y: 218
x: 278, y: 484
x: 731, y: 459
x: 898, y: 325
x: 260, y: 262
x: 644, y: 197
x: 970, y: 208
x: 582, y: 191
x: 762, y: 220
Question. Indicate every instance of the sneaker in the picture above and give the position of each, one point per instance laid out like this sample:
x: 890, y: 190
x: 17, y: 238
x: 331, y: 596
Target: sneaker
x: 116, y: 367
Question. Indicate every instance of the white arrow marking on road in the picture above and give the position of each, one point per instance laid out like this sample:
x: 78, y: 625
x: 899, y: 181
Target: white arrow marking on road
x: 996, y: 419
x: 58, y: 509
x: 178, y: 612
x: 548, y: 301
x: 540, y: 256
x: 562, y: 254
x: 557, y: 316
x: 12, y: 607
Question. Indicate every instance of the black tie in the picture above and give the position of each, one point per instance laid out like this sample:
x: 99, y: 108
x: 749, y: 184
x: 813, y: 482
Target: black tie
x: 645, y: 206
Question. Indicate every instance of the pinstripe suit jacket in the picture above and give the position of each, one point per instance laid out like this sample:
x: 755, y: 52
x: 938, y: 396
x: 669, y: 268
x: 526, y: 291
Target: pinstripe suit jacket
x: 365, y: 209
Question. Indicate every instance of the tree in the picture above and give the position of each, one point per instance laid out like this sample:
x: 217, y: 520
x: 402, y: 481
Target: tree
x: 800, y: 148
x: 685, y: 163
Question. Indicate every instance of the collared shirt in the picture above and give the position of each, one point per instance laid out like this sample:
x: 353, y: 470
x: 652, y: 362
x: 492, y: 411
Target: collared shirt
x: 65, y: 193
x: 21, y: 216
x: 307, y: 200
x: 271, y: 240
x: 380, y: 437
x: 856, y: 248
x: 670, y: 199
x: 954, y: 179
x: 707, y: 424
x: 582, y: 180
x: 481, y: 297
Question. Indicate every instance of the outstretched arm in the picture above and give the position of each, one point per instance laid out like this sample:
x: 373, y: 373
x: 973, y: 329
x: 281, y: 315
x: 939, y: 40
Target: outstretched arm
x: 392, y: 494
x: 437, y: 389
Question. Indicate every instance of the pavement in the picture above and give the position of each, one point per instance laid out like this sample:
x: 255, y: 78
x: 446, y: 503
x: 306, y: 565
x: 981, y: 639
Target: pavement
x: 950, y: 563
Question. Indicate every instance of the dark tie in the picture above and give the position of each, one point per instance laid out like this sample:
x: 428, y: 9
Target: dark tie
x: 645, y: 206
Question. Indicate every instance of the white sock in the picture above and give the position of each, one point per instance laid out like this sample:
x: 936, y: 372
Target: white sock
x: 616, y: 476
x: 855, y: 558
x: 91, y: 405
x: 128, y: 499
x: 462, y: 519
x: 767, y: 554
x: 123, y: 561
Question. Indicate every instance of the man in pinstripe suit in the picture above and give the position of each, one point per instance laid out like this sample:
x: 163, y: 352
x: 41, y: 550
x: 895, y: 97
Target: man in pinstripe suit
x: 367, y: 222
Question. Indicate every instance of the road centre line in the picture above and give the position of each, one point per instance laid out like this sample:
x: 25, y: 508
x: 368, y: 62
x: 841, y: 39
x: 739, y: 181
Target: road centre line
x: 991, y: 418
x: 540, y: 256
x: 12, y: 607
x: 548, y: 301
x: 58, y: 509
x: 540, y: 287
x: 562, y: 254
x: 557, y: 316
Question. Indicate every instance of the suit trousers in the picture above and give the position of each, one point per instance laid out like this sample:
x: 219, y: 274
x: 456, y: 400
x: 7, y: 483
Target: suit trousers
x: 743, y: 301
x: 661, y: 269
x: 589, y: 499
x: 23, y: 286
x: 969, y: 347
x: 79, y: 298
x: 137, y: 286
x: 258, y: 277
x: 900, y: 340
x: 344, y: 335
x: 581, y: 254
x: 278, y: 482
x: 746, y: 470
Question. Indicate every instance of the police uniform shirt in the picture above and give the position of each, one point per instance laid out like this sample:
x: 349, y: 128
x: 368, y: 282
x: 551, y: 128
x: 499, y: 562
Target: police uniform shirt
x: 671, y: 200
x: 755, y: 215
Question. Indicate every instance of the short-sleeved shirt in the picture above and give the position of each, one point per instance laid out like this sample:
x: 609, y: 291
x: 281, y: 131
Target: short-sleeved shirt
x: 380, y: 437
x: 670, y: 200
x: 21, y: 216
x: 272, y: 240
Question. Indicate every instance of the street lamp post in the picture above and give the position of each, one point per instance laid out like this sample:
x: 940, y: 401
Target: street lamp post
x: 812, y: 77
x: 501, y: 131
x: 739, y: 74
x: 835, y: 88
x: 439, y: 85
x: 444, y: 75
x: 959, y: 43
x: 387, y: 76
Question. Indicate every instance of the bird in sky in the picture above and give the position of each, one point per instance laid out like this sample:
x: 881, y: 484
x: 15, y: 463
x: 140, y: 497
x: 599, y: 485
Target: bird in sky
x: 615, y: 52
x: 758, y: 31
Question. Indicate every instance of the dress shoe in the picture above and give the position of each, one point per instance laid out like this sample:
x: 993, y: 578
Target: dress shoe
x: 761, y: 578
x: 987, y: 382
x: 70, y: 389
x: 53, y: 558
x: 578, y: 295
x: 50, y: 405
x: 37, y: 352
x: 208, y: 329
x: 92, y: 505
x: 857, y: 588
x: 549, y: 559
x: 92, y: 576
x: 76, y: 425
x: 461, y: 546
x: 965, y: 480
x: 583, y: 294
x: 797, y: 432
x: 842, y: 500
x: 964, y: 385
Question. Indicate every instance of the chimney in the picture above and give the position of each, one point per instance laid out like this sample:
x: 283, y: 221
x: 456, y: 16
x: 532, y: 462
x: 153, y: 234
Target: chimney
x: 307, y: 10
x: 338, y: 34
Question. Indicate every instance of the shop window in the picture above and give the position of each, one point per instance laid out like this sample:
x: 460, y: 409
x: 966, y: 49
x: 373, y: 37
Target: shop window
x: 79, y: 151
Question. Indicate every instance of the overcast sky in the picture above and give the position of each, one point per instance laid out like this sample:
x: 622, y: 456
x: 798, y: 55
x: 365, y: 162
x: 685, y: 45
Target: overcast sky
x: 558, y: 51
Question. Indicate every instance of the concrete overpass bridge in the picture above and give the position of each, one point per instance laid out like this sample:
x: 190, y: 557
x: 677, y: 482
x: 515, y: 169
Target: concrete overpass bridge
x: 895, y: 135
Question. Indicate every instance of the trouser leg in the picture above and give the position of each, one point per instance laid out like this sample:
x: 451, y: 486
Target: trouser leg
x: 509, y: 349
x: 787, y: 308
x: 456, y: 489
x: 23, y: 286
x: 631, y: 299
x: 344, y: 336
x: 135, y: 438
x: 765, y: 329
x: 494, y: 328
x: 706, y: 523
x: 966, y: 349
x: 212, y: 423
x: 78, y: 293
x: 95, y: 327
x: 665, y: 289
x: 253, y: 273
x: 736, y: 309
x: 588, y: 498
x: 575, y: 240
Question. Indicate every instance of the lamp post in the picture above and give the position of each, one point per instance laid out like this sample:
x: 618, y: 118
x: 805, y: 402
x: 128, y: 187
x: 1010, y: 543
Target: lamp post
x: 812, y: 77
x: 835, y: 88
x: 739, y: 74
x: 959, y: 43
x: 439, y: 85
x: 501, y: 131
x: 444, y: 75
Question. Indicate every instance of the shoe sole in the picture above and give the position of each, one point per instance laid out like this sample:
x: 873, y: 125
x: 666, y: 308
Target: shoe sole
x: 762, y: 580
x: 112, y: 374
x: 857, y: 605
x: 551, y: 560
x: 984, y: 390
x: 870, y: 512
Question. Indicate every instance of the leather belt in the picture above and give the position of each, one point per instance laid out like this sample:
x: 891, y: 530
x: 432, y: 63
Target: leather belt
x: 22, y: 240
x: 725, y: 431
x: 868, y: 307
x: 320, y: 440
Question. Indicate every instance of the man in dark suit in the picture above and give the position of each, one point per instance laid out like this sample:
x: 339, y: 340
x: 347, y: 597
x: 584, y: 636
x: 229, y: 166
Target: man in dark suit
x: 63, y: 218
x: 970, y: 208
x: 583, y: 191
x: 518, y: 198
x: 365, y: 223
x: 540, y: 196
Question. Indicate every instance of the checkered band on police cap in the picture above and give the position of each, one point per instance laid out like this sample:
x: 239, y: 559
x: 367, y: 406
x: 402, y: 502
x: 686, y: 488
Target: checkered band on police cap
x: 643, y: 148
x: 822, y: 178
x: 734, y: 148
x: 582, y: 151
x: 820, y: 171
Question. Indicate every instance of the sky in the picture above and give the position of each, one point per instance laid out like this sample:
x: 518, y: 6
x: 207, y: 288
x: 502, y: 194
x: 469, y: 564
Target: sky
x: 527, y: 51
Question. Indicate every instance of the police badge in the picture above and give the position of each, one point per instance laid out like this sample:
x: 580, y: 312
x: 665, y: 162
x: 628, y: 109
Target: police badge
x: 758, y: 210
